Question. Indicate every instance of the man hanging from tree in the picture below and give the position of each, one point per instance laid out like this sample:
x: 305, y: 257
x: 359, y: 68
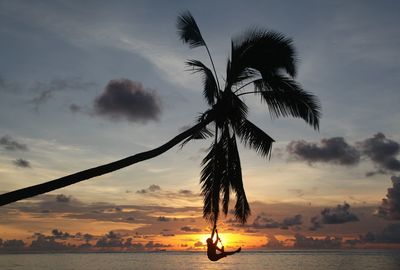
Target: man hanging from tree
x: 212, y: 247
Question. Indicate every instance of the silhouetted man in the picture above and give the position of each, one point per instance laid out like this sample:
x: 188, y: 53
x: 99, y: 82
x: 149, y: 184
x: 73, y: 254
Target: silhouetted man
x: 212, y: 248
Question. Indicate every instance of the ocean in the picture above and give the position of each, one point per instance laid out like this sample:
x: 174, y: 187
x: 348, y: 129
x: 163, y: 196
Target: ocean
x: 271, y: 260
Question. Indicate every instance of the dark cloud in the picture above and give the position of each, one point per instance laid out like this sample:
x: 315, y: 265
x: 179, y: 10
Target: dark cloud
x: 303, y: 242
x: 190, y: 229
x: 332, y: 150
x: 111, y: 239
x: 61, y: 198
x: 338, y: 215
x: 46, y: 90
x: 390, y: 234
x: 152, y: 245
x: 22, y: 163
x: 12, y: 245
x: 47, y: 243
x: 382, y: 151
x: 151, y: 188
x: 61, y: 235
x: 10, y: 144
x: 163, y: 219
x: 390, y: 207
x: 292, y: 221
x: 74, y: 108
x: 273, y: 242
x: 315, y: 223
x: 126, y: 99
x: 263, y: 221
x: 185, y: 192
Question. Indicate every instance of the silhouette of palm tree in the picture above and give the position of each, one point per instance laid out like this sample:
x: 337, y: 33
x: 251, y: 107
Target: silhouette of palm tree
x: 263, y: 58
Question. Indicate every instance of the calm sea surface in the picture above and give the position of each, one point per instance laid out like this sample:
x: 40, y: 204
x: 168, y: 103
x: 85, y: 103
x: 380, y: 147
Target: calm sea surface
x: 275, y: 260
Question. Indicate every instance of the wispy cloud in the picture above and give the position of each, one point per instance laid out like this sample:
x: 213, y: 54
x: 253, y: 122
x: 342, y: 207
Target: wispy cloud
x: 10, y: 144
x: 44, y: 91
x: 22, y: 163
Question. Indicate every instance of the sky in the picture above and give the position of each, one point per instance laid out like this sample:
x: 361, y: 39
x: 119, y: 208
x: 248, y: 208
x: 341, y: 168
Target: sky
x: 87, y: 83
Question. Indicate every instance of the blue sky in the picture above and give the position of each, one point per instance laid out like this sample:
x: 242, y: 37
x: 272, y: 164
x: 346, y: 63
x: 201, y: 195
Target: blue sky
x: 55, y: 54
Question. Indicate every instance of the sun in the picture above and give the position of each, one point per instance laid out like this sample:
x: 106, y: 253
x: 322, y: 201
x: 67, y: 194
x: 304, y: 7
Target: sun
x: 225, y: 238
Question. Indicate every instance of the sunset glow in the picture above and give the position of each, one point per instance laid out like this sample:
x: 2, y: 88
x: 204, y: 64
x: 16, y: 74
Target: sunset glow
x: 84, y: 84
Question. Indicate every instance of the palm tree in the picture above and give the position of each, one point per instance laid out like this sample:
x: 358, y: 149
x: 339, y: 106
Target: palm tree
x: 265, y: 59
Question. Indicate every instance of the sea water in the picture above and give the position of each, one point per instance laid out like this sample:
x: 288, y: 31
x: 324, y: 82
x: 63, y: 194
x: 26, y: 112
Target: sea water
x: 273, y: 260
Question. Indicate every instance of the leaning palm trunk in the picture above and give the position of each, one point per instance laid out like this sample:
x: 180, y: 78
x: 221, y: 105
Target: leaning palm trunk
x: 31, y: 191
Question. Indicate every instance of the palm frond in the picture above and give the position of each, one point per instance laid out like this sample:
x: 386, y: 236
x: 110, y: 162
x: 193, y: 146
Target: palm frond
x: 261, y: 50
x: 242, y: 208
x: 230, y: 108
x: 285, y: 97
x: 199, y: 135
x: 188, y: 30
x: 255, y: 138
x: 210, y: 91
x: 211, y: 175
x: 227, y: 173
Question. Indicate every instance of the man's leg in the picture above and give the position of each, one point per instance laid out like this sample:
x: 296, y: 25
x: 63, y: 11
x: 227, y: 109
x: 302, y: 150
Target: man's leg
x: 228, y: 253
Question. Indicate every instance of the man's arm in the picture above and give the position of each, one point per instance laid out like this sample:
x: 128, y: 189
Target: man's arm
x: 216, y: 240
x: 213, y: 231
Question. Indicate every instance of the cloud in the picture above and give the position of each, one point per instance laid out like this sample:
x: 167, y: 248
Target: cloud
x: 151, y: 188
x: 190, y: 229
x: 292, y: 221
x: 74, y: 108
x: 61, y: 235
x: 315, y: 223
x: 163, y: 219
x: 22, y: 163
x: 328, y: 242
x: 7, y: 86
x: 382, y: 151
x: 12, y: 245
x: 379, y: 149
x: 185, y: 192
x: 390, y: 207
x: 332, y: 150
x: 47, y: 243
x: 152, y: 245
x: 338, y: 215
x: 61, y: 198
x: 199, y: 244
x: 273, y: 242
x: 46, y: 90
x: 263, y: 221
x: 126, y: 99
x: 10, y: 144
x: 390, y: 234
x: 111, y: 239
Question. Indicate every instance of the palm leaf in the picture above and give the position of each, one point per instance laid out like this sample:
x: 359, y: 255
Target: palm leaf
x: 255, y: 138
x: 285, y: 97
x: 227, y: 175
x: 242, y: 208
x: 211, y: 175
x: 261, y: 50
x: 201, y: 134
x: 188, y: 30
x: 210, y: 91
